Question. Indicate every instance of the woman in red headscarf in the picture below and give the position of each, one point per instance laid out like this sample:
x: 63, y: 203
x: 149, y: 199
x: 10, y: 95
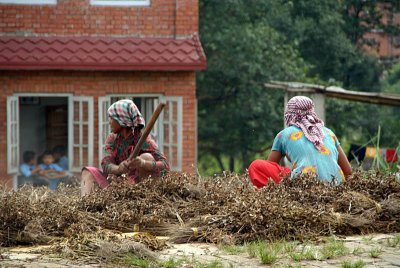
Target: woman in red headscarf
x: 126, y: 123
x: 307, y: 144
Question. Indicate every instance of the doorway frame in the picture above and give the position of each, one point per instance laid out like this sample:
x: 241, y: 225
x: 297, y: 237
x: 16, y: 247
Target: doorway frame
x: 69, y: 98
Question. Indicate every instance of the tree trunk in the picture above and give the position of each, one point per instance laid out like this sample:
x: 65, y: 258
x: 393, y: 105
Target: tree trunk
x: 245, y: 161
x: 231, y: 163
x: 219, y: 160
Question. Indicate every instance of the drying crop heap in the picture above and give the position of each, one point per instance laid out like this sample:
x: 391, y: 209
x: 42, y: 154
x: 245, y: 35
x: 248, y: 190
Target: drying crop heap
x: 190, y: 208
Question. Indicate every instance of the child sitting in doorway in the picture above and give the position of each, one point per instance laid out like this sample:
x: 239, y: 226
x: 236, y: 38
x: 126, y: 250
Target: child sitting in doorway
x: 60, y: 156
x: 51, y: 170
x: 30, y: 172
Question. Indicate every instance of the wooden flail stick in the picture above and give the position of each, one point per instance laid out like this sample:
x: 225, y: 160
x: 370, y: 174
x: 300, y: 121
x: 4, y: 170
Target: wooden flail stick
x: 146, y: 131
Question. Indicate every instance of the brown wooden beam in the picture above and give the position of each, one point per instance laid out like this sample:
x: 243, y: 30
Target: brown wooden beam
x: 337, y: 92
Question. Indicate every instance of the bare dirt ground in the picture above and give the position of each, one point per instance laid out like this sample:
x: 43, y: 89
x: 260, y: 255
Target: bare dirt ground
x: 377, y: 250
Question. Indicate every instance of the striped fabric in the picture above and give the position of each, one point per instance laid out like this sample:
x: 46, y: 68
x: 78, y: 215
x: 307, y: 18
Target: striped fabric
x: 126, y: 113
x: 300, y: 113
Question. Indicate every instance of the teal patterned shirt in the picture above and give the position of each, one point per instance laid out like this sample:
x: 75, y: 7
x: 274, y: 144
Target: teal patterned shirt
x: 305, y: 157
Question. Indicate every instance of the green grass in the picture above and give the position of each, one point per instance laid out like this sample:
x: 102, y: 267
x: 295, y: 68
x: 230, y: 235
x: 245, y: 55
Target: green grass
x: 267, y: 252
x: 253, y: 248
x: 233, y: 249
x: 171, y: 263
x: 375, y: 252
x: 334, y: 248
x: 393, y: 242
x: 296, y: 265
x: 290, y: 247
x: 188, y: 262
x: 136, y: 261
x: 271, y: 253
x: 331, y: 249
x: 367, y: 239
x: 358, y: 250
x: 296, y: 256
x: 308, y: 252
x: 268, y: 255
x: 212, y: 264
x: 379, y: 163
x: 356, y: 264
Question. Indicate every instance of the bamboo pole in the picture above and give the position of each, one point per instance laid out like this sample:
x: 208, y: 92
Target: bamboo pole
x: 146, y: 131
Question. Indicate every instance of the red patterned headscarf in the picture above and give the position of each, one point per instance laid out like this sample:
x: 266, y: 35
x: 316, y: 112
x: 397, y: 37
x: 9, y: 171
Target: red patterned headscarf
x: 126, y: 113
x: 300, y: 113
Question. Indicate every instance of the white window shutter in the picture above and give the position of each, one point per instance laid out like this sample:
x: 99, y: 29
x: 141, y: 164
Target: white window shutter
x: 12, y: 134
x: 150, y: 105
x: 172, y: 131
x: 81, y: 132
x: 104, y: 127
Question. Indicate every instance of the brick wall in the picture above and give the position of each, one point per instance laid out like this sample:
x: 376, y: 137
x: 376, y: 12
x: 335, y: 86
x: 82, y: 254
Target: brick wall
x: 385, y: 45
x: 163, y: 18
x: 99, y: 84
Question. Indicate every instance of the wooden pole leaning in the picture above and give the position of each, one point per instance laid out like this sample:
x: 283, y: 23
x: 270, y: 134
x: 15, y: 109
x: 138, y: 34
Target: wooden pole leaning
x: 146, y: 132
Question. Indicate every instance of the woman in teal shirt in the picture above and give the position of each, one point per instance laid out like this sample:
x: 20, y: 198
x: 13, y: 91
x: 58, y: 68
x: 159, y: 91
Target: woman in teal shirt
x: 308, y: 145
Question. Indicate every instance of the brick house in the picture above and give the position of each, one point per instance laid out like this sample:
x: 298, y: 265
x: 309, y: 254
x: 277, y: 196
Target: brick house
x: 63, y: 62
x: 381, y: 44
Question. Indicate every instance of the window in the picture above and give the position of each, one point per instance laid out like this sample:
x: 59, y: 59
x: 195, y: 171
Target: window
x: 81, y: 136
x: 172, y: 131
x: 12, y: 134
x: 104, y: 127
x: 29, y: 2
x: 120, y: 2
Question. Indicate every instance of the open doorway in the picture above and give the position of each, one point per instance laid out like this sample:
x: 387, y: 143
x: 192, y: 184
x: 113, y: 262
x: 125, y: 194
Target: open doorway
x: 43, y: 123
x: 39, y: 122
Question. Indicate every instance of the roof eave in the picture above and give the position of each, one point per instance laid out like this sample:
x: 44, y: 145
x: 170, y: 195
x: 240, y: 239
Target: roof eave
x: 97, y: 67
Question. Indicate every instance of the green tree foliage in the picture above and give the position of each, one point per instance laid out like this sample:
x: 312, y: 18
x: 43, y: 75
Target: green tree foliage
x: 390, y: 116
x: 362, y: 16
x: 391, y: 84
x: 363, y: 73
x: 319, y: 29
x: 250, y: 42
x: 237, y: 115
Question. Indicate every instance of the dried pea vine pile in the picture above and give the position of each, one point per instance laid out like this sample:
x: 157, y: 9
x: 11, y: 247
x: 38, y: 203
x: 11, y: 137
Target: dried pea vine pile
x: 189, y: 208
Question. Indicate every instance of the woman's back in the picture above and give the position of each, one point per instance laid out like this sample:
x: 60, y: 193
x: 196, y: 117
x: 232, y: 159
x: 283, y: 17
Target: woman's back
x: 306, y: 158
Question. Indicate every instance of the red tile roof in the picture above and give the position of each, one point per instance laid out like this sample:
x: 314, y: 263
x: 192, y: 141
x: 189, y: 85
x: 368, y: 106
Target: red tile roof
x: 100, y: 53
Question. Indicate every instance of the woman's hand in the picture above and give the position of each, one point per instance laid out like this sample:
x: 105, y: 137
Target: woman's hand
x: 127, y: 165
x: 140, y: 163
x: 123, y: 167
x: 137, y: 163
x: 120, y: 169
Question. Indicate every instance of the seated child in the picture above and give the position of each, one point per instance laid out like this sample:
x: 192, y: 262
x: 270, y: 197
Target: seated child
x: 60, y: 157
x: 30, y: 173
x: 51, y: 170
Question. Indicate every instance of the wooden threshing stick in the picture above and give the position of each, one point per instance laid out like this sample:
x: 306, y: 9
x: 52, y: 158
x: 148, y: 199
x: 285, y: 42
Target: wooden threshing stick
x: 146, y: 131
